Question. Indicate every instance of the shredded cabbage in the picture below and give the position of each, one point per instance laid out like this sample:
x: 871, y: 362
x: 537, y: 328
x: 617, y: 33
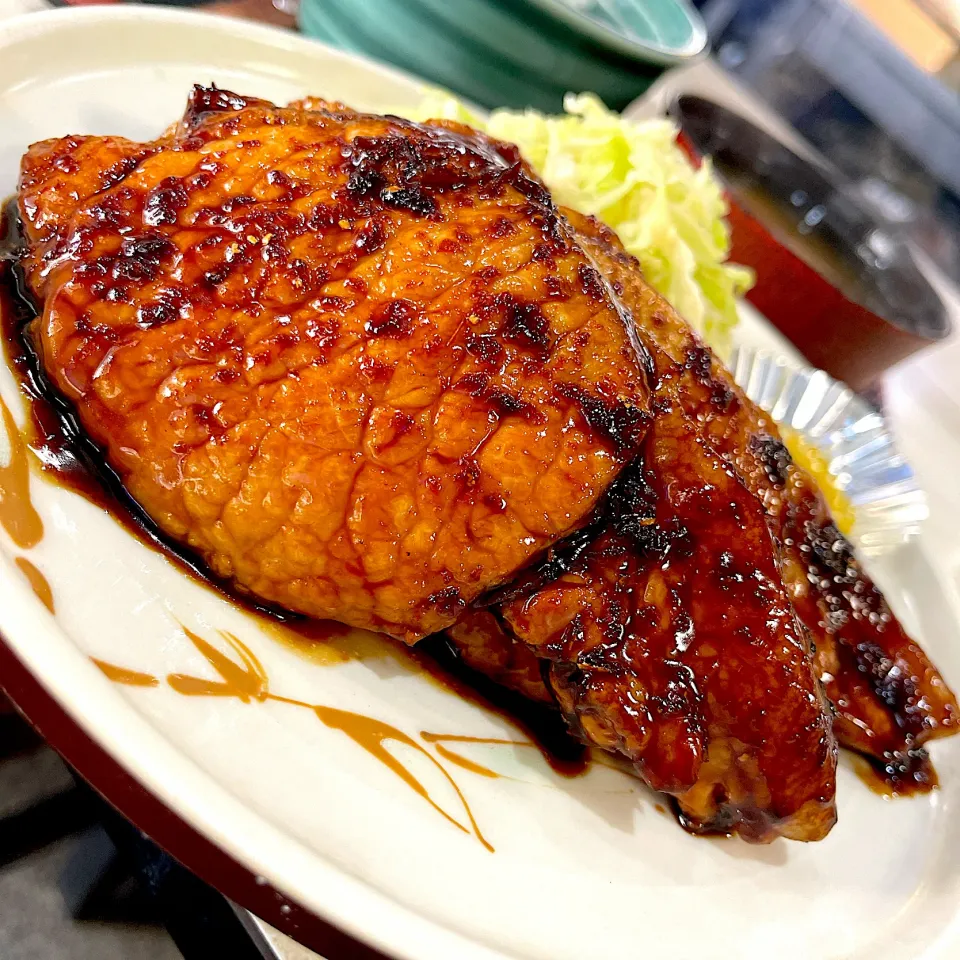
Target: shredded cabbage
x: 634, y: 177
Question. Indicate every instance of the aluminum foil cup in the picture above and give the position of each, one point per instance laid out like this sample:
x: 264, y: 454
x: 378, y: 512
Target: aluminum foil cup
x: 888, y: 503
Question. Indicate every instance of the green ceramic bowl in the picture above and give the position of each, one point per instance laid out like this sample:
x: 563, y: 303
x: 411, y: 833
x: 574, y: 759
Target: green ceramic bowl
x: 517, y: 53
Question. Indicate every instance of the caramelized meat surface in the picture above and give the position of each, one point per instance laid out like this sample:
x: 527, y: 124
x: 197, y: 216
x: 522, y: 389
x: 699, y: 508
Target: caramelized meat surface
x: 483, y: 644
x: 888, y: 697
x: 360, y: 366
x: 669, y: 638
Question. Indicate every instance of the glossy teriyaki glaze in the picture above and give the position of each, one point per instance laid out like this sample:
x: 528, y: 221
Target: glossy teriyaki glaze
x: 358, y: 364
x: 671, y: 640
x: 889, y: 698
x: 68, y: 458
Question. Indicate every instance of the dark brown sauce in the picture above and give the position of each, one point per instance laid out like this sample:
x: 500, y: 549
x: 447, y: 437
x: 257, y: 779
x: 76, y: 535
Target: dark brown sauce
x: 52, y: 432
x: 71, y: 460
x: 38, y: 582
x: 903, y: 777
x: 18, y: 516
x: 329, y: 643
x: 541, y: 723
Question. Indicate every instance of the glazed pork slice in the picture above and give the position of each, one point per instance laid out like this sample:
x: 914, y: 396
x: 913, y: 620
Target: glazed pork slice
x: 667, y: 636
x: 360, y: 366
x: 889, y: 699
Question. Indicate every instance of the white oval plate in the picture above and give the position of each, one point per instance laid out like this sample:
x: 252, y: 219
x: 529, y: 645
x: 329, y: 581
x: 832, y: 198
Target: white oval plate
x: 583, y: 868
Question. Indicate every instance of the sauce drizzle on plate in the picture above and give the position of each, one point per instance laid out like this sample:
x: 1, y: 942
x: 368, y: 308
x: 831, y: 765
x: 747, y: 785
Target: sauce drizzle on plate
x: 38, y: 582
x: 18, y: 516
x: 132, y: 678
x: 242, y: 676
